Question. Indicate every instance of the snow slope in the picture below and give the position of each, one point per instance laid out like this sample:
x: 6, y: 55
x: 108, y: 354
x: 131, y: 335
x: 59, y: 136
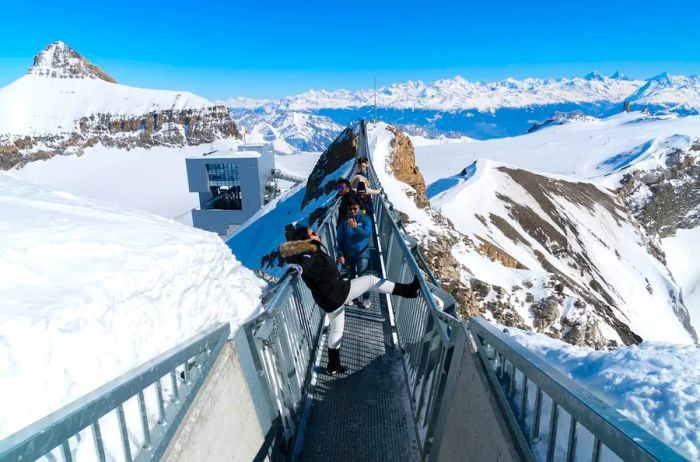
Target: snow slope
x: 154, y: 180
x: 682, y: 257
x: 90, y: 290
x: 656, y: 385
x: 558, y: 225
x: 43, y: 105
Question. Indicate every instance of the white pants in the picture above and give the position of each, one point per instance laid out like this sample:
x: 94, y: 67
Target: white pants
x: 358, y: 287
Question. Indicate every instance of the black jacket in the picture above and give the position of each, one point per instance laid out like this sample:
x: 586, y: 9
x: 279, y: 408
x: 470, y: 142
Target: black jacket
x: 319, y: 273
x: 367, y: 205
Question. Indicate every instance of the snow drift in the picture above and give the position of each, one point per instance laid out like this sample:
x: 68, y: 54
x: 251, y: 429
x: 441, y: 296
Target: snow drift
x: 90, y: 290
x: 654, y: 384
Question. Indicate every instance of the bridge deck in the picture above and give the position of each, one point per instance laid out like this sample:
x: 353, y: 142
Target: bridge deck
x: 363, y: 414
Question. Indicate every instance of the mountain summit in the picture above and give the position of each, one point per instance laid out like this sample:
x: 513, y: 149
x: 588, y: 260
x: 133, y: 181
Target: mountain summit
x: 59, y: 60
x: 65, y: 104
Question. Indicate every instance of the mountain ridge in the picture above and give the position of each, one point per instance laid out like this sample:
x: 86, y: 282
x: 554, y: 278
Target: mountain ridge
x: 460, y: 94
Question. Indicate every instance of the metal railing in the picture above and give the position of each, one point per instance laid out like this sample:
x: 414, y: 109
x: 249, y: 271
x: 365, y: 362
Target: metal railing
x: 530, y: 391
x: 153, y: 397
x: 432, y: 342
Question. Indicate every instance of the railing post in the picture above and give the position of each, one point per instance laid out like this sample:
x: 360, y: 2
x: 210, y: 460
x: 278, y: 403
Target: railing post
x: 454, y: 369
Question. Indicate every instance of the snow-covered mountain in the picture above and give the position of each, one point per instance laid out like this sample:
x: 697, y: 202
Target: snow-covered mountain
x: 458, y: 94
x: 679, y: 94
x: 649, y: 162
x: 65, y: 104
x: 485, y: 110
x: 289, y: 131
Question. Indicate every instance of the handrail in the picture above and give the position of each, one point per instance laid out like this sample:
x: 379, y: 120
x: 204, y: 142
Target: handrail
x: 433, y: 342
x: 608, y: 426
x: 184, y: 367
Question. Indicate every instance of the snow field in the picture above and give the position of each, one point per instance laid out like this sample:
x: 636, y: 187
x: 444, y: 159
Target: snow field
x: 578, y: 148
x: 90, y: 290
x: 154, y: 180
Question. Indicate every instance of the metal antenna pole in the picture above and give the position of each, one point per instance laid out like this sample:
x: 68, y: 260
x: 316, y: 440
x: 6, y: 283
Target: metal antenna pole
x: 375, y: 100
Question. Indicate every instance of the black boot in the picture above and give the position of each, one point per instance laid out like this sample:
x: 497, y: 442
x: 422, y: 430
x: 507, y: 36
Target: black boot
x: 334, y: 366
x: 407, y: 290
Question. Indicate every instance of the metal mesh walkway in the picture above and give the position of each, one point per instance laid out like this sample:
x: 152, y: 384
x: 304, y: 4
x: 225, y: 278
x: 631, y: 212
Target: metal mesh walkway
x: 363, y: 414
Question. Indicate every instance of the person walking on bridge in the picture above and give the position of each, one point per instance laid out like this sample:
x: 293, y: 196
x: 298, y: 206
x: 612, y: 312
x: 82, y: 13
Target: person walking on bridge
x: 365, y: 200
x: 361, y: 177
x: 304, y: 252
x: 353, y: 244
x: 346, y: 194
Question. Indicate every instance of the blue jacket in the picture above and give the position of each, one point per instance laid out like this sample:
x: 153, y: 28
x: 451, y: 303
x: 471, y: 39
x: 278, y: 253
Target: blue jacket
x: 354, y: 243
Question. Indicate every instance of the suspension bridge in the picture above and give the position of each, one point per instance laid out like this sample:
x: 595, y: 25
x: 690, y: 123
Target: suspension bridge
x: 421, y: 385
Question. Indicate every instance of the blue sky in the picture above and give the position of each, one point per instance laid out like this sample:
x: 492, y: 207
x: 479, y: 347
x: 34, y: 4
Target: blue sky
x: 271, y: 49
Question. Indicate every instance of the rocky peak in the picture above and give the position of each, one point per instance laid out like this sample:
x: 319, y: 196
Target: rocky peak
x: 60, y: 61
x: 595, y: 75
x: 663, y: 79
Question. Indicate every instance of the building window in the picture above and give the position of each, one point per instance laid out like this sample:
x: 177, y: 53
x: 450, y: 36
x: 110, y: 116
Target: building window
x: 225, y: 186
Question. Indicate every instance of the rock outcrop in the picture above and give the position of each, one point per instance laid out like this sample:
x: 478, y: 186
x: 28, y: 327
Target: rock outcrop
x: 666, y: 198
x: 59, y: 61
x: 404, y: 168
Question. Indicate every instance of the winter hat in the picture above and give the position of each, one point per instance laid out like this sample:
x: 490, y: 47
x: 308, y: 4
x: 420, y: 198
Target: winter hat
x: 361, y: 187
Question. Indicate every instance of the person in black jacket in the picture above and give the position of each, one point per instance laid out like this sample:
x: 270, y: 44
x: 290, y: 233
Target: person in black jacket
x: 365, y: 199
x: 330, y: 291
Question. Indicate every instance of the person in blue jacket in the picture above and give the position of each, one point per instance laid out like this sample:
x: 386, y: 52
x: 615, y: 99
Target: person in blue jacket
x: 353, y: 243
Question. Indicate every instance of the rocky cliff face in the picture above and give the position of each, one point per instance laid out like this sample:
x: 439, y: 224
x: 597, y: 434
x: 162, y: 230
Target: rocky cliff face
x: 404, y: 168
x: 667, y: 197
x: 138, y: 118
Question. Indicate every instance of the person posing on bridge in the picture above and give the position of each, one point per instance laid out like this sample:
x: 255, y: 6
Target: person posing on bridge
x: 353, y: 244
x: 361, y: 176
x: 330, y: 291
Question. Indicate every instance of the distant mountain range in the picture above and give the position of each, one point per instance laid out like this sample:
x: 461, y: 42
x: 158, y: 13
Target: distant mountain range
x: 480, y: 110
